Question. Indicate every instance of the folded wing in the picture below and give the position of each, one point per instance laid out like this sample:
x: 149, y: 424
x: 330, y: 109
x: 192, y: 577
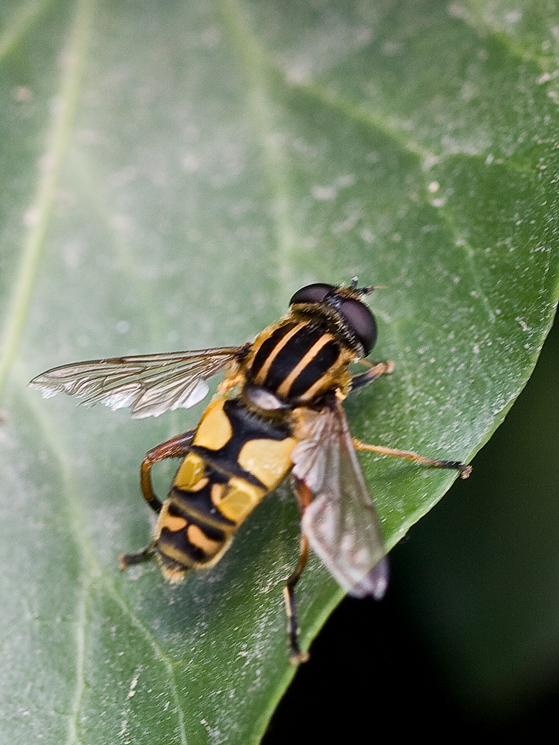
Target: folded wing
x: 341, y: 523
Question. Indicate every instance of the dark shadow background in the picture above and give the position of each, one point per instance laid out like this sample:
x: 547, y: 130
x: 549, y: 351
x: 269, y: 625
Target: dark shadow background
x: 467, y: 639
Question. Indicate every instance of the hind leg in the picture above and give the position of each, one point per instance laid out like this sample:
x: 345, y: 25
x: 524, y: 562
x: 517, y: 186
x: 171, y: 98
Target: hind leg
x: 176, y: 447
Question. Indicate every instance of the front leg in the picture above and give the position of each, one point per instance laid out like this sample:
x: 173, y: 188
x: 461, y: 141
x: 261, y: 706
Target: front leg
x: 374, y: 372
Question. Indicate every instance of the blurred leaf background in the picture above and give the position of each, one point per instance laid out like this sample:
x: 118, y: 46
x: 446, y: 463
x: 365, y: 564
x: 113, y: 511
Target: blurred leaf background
x: 171, y: 173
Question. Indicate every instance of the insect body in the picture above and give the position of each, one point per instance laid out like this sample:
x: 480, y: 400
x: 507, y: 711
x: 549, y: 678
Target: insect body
x: 235, y: 458
x: 278, y: 411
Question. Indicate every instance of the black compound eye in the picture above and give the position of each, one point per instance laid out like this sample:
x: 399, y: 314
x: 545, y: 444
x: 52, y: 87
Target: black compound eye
x: 361, y: 321
x: 315, y: 293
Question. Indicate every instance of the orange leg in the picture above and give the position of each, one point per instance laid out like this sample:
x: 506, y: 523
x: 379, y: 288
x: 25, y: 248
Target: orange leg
x: 176, y: 447
x: 374, y: 372
x: 304, y: 497
x: 464, y: 469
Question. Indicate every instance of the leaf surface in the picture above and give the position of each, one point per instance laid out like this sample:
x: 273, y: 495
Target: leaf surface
x: 172, y: 174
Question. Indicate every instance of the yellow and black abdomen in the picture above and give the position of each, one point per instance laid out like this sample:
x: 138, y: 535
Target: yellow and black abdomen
x: 236, y: 458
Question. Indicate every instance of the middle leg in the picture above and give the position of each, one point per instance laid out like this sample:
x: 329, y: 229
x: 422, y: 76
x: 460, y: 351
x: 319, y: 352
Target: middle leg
x: 464, y: 469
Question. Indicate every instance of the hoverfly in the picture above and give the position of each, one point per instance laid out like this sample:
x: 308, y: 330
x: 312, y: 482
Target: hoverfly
x: 278, y: 411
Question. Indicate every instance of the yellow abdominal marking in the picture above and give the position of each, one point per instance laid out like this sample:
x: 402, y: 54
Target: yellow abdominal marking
x: 240, y: 499
x: 268, y: 460
x: 199, y: 539
x: 191, y: 474
x: 214, y: 430
x: 216, y: 493
x: 173, y: 523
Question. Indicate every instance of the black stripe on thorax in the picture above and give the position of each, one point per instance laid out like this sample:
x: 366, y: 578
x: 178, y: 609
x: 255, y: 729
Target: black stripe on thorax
x: 315, y: 369
x: 285, y: 356
x: 268, y: 347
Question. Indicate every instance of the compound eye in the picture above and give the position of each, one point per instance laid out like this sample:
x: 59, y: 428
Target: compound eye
x: 361, y: 321
x: 311, y: 293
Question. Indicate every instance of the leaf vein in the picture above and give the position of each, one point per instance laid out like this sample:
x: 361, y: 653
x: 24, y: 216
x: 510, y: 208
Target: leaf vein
x: 57, y: 143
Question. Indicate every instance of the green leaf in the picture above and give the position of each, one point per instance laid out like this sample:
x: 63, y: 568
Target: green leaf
x: 172, y: 173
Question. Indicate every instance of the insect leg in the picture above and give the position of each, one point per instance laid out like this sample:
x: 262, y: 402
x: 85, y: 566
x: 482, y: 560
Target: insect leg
x: 374, y: 372
x: 304, y: 497
x: 146, y: 553
x: 296, y: 656
x: 464, y: 469
x: 176, y: 447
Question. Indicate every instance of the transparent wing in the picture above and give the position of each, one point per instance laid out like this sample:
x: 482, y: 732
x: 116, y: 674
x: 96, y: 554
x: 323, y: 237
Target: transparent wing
x: 341, y: 523
x: 148, y: 384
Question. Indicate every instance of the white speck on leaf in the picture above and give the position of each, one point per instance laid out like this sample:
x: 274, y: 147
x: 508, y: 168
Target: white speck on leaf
x: 324, y: 193
x: 133, y: 684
